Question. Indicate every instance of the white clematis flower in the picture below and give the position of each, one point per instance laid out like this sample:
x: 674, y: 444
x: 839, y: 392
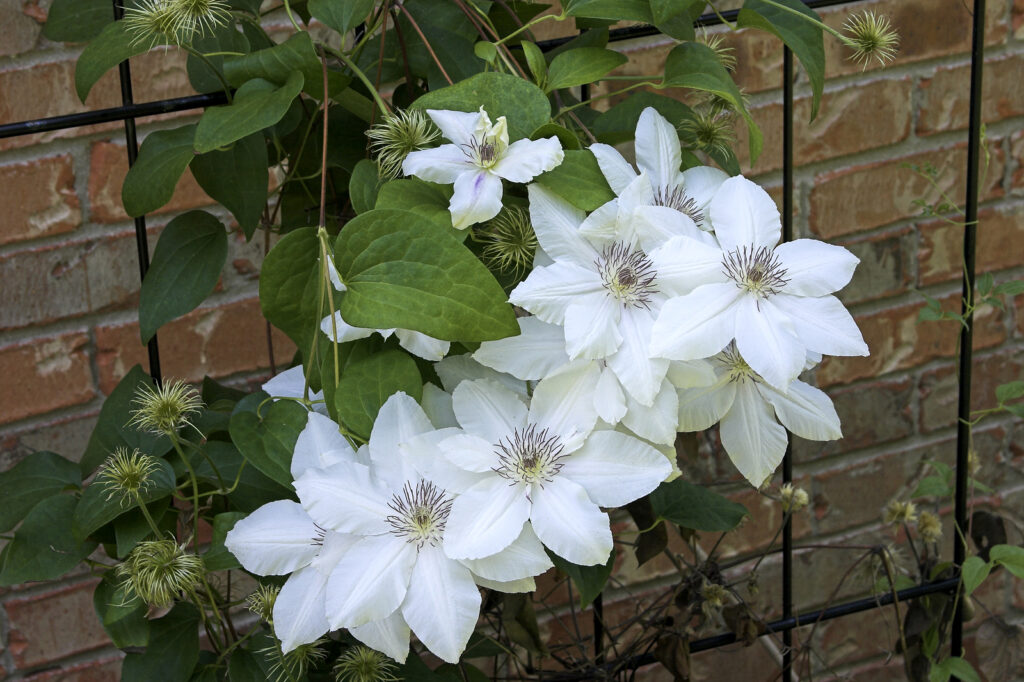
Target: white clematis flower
x: 748, y: 407
x: 478, y: 158
x: 773, y: 300
x: 290, y: 384
x: 541, y: 464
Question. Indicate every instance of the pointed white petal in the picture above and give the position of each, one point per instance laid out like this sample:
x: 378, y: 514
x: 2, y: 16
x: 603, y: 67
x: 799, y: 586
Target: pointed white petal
x: 538, y: 351
x: 442, y: 604
x: 615, y: 168
x: 477, y: 197
x: 815, y: 268
x: 390, y: 636
x: 469, y: 452
x: 744, y: 215
x: 288, y: 384
x: 458, y: 126
x: 701, y: 408
x: 320, y: 445
x: 511, y: 587
x: 370, y: 581
x: 400, y: 419
x: 768, y: 343
x: 615, y: 468
x: 443, y: 165
x: 455, y: 369
x: 657, y: 148
x: 696, y: 325
x: 426, y: 456
x: 345, y: 498
x: 639, y: 373
x: 275, y: 539
x: 524, y: 558
x: 488, y: 409
x: 683, y: 264
x: 691, y: 373
x: 486, y: 519
x: 556, y: 223
x: 805, y: 410
x: 563, y: 403
x: 526, y: 159
x: 437, y: 405
x: 601, y: 227
x: 609, y: 399
x: 750, y: 435
x: 421, y: 345
x: 822, y: 324
x: 655, y: 225
x: 638, y: 193
x: 299, y: 616
x: 341, y: 331
x: 592, y: 327
x: 657, y: 423
x: 701, y: 183
x: 548, y: 291
x: 569, y: 523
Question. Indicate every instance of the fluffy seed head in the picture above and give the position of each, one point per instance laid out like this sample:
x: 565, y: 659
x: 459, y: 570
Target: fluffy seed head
x: 897, y: 513
x: 871, y: 36
x: 793, y: 499
x: 509, y: 241
x: 929, y: 527
x: 363, y: 664
x: 261, y: 602
x: 165, y: 409
x: 399, y: 134
x: 126, y: 474
x: 710, y: 129
x: 716, y: 41
x: 154, y: 22
x: 158, y: 571
x: 199, y: 16
x: 294, y: 664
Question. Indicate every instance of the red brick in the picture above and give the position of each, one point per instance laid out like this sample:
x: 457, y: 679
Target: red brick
x: 40, y: 198
x: 21, y: 30
x: 897, y: 341
x: 1017, y: 19
x: 1017, y: 154
x: 106, y: 669
x: 858, y: 636
x: 998, y: 245
x: 66, y: 436
x: 108, y: 166
x: 939, y: 387
x: 945, y: 97
x: 862, y: 197
x: 44, y: 375
x: 885, y: 268
x: 216, y: 341
x: 53, y: 625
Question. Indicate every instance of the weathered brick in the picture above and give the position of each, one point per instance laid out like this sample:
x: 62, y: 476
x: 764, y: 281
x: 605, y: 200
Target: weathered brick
x: 939, y: 387
x: 999, y: 233
x: 66, y: 436
x: 215, y: 341
x: 874, y: 194
x: 897, y: 341
x: 1017, y: 19
x: 108, y: 166
x: 885, y: 267
x: 40, y: 198
x: 1017, y: 154
x: 44, y: 375
x: 53, y: 625
x: 945, y: 97
x: 859, y: 636
x: 105, y: 669
x: 21, y: 31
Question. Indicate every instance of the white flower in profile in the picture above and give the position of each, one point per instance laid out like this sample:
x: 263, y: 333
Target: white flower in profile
x: 542, y: 466
x: 750, y: 410
x: 290, y: 384
x: 658, y: 155
x: 477, y: 159
x: 773, y: 300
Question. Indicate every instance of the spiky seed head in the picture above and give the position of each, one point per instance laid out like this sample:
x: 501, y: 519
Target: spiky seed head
x: 929, y: 527
x: 793, y: 499
x: 261, y: 602
x: 199, y: 16
x: 897, y: 513
x: 297, y: 662
x: 871, y: 36
x: 710, y: 129
x: 398, y: 135
x: 126, y: 474
x: 509, y: 241
x: 363, y: 664
x: 165, y: 409
x: 716, y: 41
x: 154, y: 22
x: 159, y: 571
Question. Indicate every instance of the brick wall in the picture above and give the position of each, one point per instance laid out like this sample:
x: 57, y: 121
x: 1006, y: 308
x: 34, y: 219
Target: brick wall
x: 68, y: 327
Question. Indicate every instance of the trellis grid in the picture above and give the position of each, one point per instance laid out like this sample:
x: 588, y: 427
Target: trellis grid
x: 130, y: 110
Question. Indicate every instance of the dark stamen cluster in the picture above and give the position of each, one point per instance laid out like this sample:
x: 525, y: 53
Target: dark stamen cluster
x: 758, y: 270
x: 627, y: 274
x: 480, y: 150
x: 318, y: 539
x: 420, y: 513
x: 529, y: 456
x: 677, y: 198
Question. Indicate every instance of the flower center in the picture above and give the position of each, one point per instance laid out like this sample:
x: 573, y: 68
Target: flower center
x: 420, y: 513
x: 529, y: 456
x: 627, y: 274
x: 676, y: 197
x: 758, y: 271
x: 739, y: 370
x: 481, y: 152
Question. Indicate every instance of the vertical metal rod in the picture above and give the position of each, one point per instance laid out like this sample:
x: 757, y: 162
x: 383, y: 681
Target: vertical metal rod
x: 132, y: 143
x: 963, y: 432
x: 787, y: 460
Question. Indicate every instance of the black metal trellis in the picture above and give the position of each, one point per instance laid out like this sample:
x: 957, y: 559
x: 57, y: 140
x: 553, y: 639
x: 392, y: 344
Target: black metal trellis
x: 129, y: 111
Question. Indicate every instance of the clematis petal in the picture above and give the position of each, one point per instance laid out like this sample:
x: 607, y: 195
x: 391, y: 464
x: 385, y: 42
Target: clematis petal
x: 639, y: 373
x: 511, y: 587
x: 290, y: 384
x: 455, y: 369
x: 277, y: 538
x: 569, y: 523
x: 526, y: 159
x: 609, y: 399
x: 701, y: 408
x: 754, y: 441
x: 538, y: 351
x: 547, y: 292
x: 370, y: 581
x: 486, y: 519
x: 657, y: 148
x: 815, y: 268
x: 657, y: 422
x: 743, y: 214
x: 400, y: 419
x: 691, y: 373
x: 319, y: 445
x: 638, y: 193
x: 299, y: 616
x: 345, y: 498
x: 767, y: 341
x: 805, y: 410
x: 442, y: 604
x: 443, y: 165
x: 614, y: 167
x: 696, y: 325
x: 655, y: 225
x: 426, y: 456
x: 601, y: 227
x: 683, y: 264
x: 469, y: 452
x: 524, y: 558
x: 421, y: 345
x: 477, y: 197
x: 556, y: 223
x: 341, y: 331
x: 390, y: 636
x: 700, y: 184
x: 563, y: 403
x: 487, y: 409
x: 458, y: 126
x: 615, y: 468
x: 592, y: 327
x: 437, y: 405
x: 822, y: 324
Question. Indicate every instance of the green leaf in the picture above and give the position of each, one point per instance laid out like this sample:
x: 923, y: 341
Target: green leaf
x: 173, y: 648
x: 237, y: 177
x: 341, y: 15
x: 163, y: 157
x: 1009, y: 556
x: 1010, y: 391
x: 112, y: 430
x: 204, y: 74
x: 403, y: 271
x: 695, y: 66
x: 367, y: 384
x: 675, y: 17
x: 486, y: 51
x: 254, y: 489
x: 131, y: 528
x: 244, y: 667
x: 524, y: 105
x: 38, y: 476
x: 932, y: 486
x: 364, y: 185
x: 801, y: 36
x: 123, y: 618
x: 984, y: 283
x: 974, y: 572
x: 696, y: 507
x: 267, y: 440
x: 95, y: 510
x: 945, y: 669
x: 631, y: 10
x: 288, y: 285
x: 578, y: 180
x: 111, y: 47
x: 426, y: 199
x: 535, y: 61
x: 257, y: 105
x: 186, y: 266
x: 583, y: 65
x: 77, y: 21
x: 217, y: 557
x: 566, y: 137
x: 43, y: 547
x: 279, y: 65
x: 589, y: 580
x: 1013, y: 288
x: 619, y: 123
